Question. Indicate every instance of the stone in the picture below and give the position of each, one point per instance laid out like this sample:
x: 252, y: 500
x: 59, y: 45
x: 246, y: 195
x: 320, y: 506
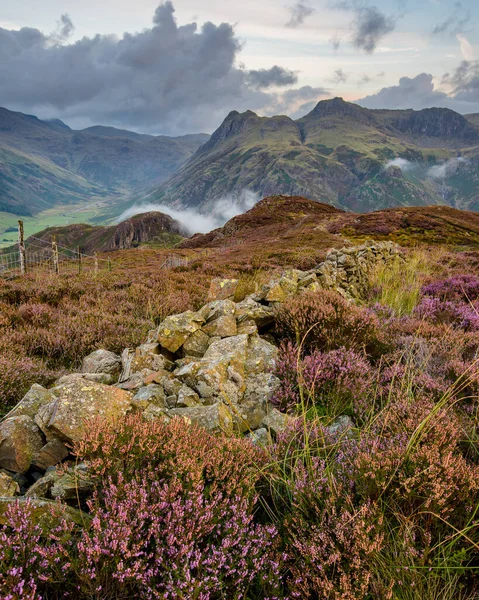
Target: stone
x: 147, y: 356
x: 74, y: 483
x: 155, y: 412
x: 281, y: 289
x: 104, y: 378
x: 276, y: 421
x: 51, y: 454
x: 102, y: 361
x: 196, y: 345
x: 248, y: 327
x: 20, y: 441
x: 41, y: 488
x: 149, y: 394
x: 176, y: 329
x: 187, y: 397
x: 64, y: 417
x: 31, y: 402
x: 261, y: 356
x: 342, y: 426
x: 47, y: 514
x: 135, y: 381
x: 214, y: 418
x: 8, y: 486
x: 253, y: 407
x: 250, y: 310
x: 222, y: 289
x: 218, y: 308
x: 260, y: 437
x: 224, y: 326
x: 157, y: 377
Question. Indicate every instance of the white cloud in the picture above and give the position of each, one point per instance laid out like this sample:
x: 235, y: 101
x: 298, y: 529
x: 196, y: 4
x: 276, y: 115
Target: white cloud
x: 404, y: 164
x: 445, y: 169
x: 219, y: 212
x: 466, y: 47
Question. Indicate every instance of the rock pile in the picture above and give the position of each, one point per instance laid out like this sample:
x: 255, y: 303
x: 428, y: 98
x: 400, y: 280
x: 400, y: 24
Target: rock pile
x: 213, y: 367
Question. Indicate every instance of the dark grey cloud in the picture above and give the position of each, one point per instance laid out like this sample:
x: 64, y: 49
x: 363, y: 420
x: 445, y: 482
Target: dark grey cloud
x: 299, y: 12
x: 464, y: 82
x: 276, y: 76
x: 364, y: 80
x: 165, y: 79
x: 461, y: 92
x: 456, y: 22
x: 370, y: 26
x: 335, y: 42
x: 340, y: 76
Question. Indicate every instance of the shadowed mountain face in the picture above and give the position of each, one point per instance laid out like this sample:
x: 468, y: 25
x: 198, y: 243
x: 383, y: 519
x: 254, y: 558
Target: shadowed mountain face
x: 340, y: 154
x: 46, y: 163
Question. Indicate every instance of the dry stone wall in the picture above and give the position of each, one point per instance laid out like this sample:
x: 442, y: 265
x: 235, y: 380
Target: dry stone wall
x: 214, y: 367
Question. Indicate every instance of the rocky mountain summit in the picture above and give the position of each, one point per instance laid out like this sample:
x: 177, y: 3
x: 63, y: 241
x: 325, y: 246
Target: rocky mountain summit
x: 214, y: 367
x: 339, y: 153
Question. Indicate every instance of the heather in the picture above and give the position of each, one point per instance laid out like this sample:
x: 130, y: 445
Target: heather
x: 370, y: 490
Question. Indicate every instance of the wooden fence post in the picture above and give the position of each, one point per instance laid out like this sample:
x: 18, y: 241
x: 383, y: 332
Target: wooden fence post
x: 21, y: 248
x: 56, y: 266
x: 96, y: 263
x: 79, y: 259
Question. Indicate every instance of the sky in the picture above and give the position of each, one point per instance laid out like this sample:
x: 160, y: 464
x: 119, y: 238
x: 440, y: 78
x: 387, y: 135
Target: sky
x: 179, y: 67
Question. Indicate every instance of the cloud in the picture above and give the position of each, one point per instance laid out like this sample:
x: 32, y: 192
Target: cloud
x: 417, y: 92
x: 455, y: 22
x: 276, y: 76
x: 168, y: 78
x: 464, y: 83
x: 404, y: 164
x: 370, y: 26
x: 299, y: 12
x: 340, y: 76
x: 466, y: 47
x: 446, y: 169
x: 297, y: 102
x: 219, y: 212
x: 335, y: 42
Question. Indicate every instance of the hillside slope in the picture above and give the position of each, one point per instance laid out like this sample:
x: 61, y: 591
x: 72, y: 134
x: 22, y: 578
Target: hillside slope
x: 45, y: 163
x: 152, y: 227
x: 339, y: 153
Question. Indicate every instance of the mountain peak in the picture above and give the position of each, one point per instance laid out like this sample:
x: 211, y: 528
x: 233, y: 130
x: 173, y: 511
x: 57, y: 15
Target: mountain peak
x: 339, y: 107
x: 234, y: 123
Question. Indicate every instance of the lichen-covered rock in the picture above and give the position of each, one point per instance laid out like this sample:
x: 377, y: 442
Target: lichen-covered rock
x: 224, y: 326
x: 31, y: 402
x: 261, y: 356
x: 175, y: 330
x: 51, y: 454
x: 72, y: 484
x: 149, y: 394
x: 105, y: 378
x: 222, y: 289
x: 197, y: 344
x: 148, y: 356
x: 216, y: 417
x: 8, y: 486
x: 187, y: 397
x: 250, y: 310
x: 260, y: 437
x: 276, y: 421
x: 20, y: 441
x: 284, y: 287
x: 102, y: 361
x: 64, y: 417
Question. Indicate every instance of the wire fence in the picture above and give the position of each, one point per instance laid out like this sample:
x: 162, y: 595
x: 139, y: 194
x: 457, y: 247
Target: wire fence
x: 38, y: 257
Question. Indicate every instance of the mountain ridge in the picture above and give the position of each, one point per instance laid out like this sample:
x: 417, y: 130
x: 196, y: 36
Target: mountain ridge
x: 338, y: 153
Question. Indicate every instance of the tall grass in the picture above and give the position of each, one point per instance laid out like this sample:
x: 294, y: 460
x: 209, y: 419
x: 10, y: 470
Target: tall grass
x: 399, y: 285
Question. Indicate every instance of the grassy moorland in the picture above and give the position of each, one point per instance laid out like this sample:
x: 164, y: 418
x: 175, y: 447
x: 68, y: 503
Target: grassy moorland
x: 382, y: 505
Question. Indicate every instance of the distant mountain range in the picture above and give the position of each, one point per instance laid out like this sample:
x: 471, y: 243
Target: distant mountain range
x: 43, y: 163
x: 341, y: 154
